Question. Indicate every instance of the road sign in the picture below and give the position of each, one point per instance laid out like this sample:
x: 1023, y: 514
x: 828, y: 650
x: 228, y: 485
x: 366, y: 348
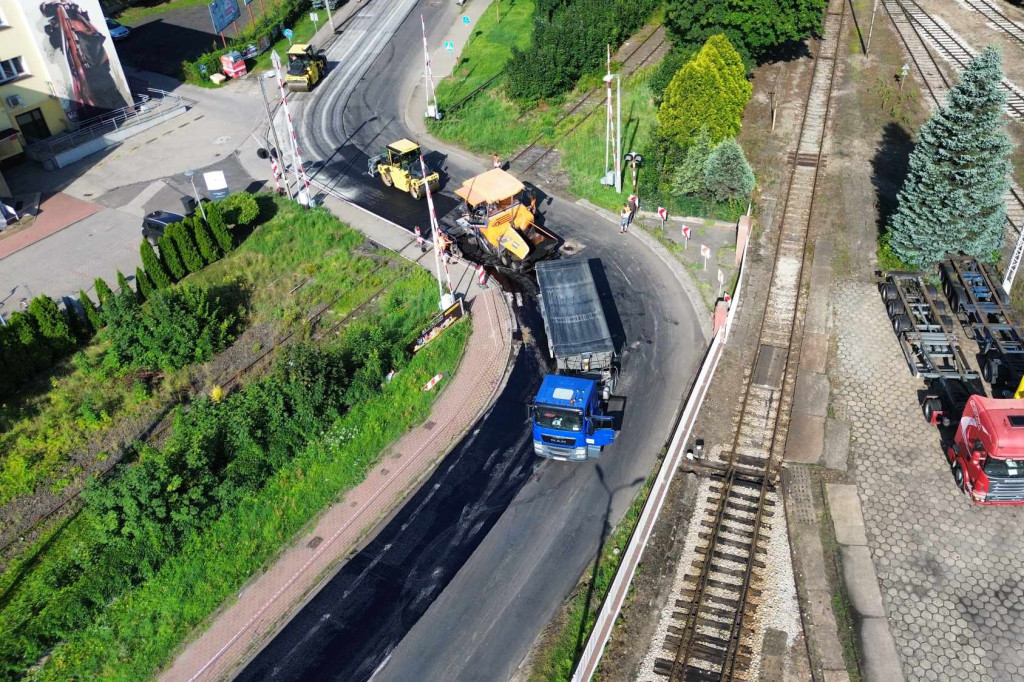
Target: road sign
x: 449, y: 45
x: 216, y: 184
x: 287, y: 33
x: 721, y: 277
x: 465, y: 20
x: 662, y: 213
x: 705, y: 253
x: 314, y: 17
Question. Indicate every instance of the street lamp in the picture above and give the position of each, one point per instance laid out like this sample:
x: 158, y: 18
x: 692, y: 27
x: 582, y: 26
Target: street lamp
x: 634, y: 160
x: 191, y: 175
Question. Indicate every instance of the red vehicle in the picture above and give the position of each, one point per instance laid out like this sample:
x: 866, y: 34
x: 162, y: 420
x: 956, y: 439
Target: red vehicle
x: 987, y: 455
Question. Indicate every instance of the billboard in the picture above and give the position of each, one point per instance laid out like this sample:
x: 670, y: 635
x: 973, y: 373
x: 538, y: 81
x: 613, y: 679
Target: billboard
x: 223, y: 12
x: 82, y: 65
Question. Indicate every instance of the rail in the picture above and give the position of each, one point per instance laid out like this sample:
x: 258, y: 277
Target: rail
x: 152, y: 104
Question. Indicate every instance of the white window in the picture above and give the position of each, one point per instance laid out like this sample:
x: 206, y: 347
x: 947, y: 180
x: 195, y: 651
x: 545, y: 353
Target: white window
x: 11, y: 68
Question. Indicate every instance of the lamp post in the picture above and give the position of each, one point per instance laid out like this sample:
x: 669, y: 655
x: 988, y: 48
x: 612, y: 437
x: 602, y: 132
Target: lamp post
x: 634, y: 160
x: 191, y: 175
x: 273, y: 128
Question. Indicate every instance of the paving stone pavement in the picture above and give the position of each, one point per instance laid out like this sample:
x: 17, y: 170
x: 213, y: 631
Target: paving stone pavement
x: 951, y: 573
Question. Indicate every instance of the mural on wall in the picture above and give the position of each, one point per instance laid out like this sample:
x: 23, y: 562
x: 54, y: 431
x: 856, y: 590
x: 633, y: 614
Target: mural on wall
x: 85, y: 71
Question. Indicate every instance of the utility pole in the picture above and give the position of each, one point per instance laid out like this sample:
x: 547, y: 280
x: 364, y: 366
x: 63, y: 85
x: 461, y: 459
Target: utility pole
x: 435, y: 233
x: 612, y: 132
x: 871, y: 28
x: 330, y: 14
x: 276, y: 155
x: 428, y: 78
x: 618, y: 134
x: 300, y: 172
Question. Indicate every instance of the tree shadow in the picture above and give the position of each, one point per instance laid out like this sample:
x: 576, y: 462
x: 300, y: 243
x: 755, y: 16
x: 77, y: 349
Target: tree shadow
x: 786, y: 52
x: 889, y: 167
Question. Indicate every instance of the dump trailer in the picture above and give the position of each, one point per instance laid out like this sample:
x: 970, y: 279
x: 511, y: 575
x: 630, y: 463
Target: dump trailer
x: 495, y: 228
x: 987, y: 451
x: 569, y: 413
x: 976, y: 295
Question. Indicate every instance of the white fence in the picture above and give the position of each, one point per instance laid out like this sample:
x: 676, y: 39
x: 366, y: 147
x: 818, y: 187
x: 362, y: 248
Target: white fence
x: 591, y: 656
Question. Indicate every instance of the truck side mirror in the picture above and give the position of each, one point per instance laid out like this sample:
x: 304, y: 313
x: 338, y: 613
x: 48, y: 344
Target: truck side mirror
x: 529, y: 413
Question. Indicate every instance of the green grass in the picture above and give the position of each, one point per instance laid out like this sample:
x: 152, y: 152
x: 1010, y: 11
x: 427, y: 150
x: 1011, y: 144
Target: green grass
x: 302, y: 32
x: 558, y: 653
x: 133, y: 15
x: 144, y: 626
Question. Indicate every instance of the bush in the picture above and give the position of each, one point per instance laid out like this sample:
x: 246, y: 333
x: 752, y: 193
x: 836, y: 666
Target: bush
x: 727, y: 174
x: 219, y: 228
x: 53, y: 326
x: 239, y: 209
x: 186, y: 248
x: 91, y: 313
x: 169, y: 256
x: 205, y: 241
x: 145, y: 286
x: 103, y: 291
x: 154, y: 268
x: 122, y: 282
x: 175, y: 328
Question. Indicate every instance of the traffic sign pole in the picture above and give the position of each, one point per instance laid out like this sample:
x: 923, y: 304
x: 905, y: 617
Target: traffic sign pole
x: 686, y: 236
x: 705, y: 253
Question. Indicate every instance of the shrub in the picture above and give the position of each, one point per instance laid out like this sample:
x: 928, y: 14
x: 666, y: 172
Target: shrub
x: 240, y: 209
x: 145, y: 286
x: 53, y: 325
x: 176, y: 327
x: 103, y: 291
x: 727, y: 174
x: 169, y: 256
x: 36, y: 349
x: 205, y: 241
x: 219, y: 228
x: 190, y: 256
x: 122, y: 283
x: 91, y: 313
x: 154, y: 268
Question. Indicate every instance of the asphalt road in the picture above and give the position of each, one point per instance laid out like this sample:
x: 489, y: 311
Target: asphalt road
x: 458, y: 585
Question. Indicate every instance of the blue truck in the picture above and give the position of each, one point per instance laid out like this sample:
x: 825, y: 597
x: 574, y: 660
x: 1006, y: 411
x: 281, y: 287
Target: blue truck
x: 569, y: 413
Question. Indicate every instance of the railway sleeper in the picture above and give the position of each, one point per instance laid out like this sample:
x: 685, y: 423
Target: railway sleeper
x: 730, y: 604
x: 744, y: 496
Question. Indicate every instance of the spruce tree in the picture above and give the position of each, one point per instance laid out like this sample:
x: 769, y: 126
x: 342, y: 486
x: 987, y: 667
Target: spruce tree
x: 689, y: 177
x: 204, y: 240
x: 52, y: 325
x: 169, y: 256
x: 190, y: 257
x: 154, y: 268
x: 91, y: 313
x: 952, y: 198
x: 145, y: 286
x: 727, y: 175
x: 122, y: 284
x: 103, y: 292
x: 219, y: 228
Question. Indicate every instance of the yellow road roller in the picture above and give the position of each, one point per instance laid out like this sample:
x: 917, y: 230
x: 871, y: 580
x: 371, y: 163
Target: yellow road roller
x: 306, y: 67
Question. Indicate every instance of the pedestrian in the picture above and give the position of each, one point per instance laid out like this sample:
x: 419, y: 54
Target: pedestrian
x: 624, y: 219
x: 496, y: 160
x: 533, y: 202
x: 634, y: 206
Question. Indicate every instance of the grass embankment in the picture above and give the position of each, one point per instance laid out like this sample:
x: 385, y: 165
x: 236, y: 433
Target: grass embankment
x: 157, y: 547
x: 136, y: 13
x: 89, y: 401
x: 561, y: 648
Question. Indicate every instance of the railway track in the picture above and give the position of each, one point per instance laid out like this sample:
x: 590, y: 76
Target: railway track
x: 990, y: 11
x: 909, y: 27
x: 711, y: 633
x: 640, y: 56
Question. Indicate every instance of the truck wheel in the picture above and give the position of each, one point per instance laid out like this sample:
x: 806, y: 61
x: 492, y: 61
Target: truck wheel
x: 958, y: 476
x: 932, y: 292
x: 932, y: 406
x: 991, y: 370
x: 889, y: 292
x: 945, y: 278
x: 901, y: 323
x: 894, y: 308
x: 385, y: 177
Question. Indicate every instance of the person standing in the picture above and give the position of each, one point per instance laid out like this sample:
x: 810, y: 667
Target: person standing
x: 533, y: 202
x: 496, y: 160
x: 624, y: 219
x: 634, y: 205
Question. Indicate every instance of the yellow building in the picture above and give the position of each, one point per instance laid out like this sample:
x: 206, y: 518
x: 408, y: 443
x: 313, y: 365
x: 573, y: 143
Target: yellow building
x: 58, y: 66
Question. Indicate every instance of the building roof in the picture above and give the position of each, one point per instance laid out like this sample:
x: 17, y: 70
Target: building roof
x: 565, y: 391
x: 494, y: 185
x: 404, y: 146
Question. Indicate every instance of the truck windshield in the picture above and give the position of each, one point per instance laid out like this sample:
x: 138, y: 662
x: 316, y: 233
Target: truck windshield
x: 557, y: 418
x: 1004, y: 468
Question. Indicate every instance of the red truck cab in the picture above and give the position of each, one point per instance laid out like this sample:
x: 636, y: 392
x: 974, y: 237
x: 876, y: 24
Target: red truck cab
x: 987, y: 455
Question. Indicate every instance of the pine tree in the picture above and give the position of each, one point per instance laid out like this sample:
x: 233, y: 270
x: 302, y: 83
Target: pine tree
x: 91, y: 313
x: 122, y: 283
x: 103, y: 292
x: 952, y: 198
x: 190, y: 257
x: 727, y: 175
x: 689, y: 177
x: 169, y: 256
x: 154, y: 268
x: 145, y: 286
x: 219, y: 228
x: 52, y: 325
x: 204, y: 240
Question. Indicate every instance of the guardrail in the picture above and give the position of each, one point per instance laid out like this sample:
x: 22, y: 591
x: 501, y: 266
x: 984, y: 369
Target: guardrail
x: 152, y: 104
x: 616, y: 597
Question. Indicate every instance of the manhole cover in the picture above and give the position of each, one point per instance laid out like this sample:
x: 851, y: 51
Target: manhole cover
x: 315, y: 542
x: 223, y: 139
x: 428, y: 425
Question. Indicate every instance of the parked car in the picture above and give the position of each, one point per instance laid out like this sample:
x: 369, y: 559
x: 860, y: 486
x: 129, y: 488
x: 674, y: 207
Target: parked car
x: 117, y: 30
x: 154, y: 224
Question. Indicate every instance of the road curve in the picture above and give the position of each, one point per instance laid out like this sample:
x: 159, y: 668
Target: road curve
x: 460, y: 582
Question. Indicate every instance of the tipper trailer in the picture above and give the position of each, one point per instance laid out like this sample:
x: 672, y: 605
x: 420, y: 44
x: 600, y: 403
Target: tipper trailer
x: 976, y: 295
x: 987, y: 452
x: 568, y: 414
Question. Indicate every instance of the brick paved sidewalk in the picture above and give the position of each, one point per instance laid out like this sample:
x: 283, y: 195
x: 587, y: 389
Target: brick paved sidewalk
x: 269, y: 600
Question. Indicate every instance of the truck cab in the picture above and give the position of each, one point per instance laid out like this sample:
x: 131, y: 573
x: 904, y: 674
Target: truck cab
x: 568, y: 419
x: 987, y: 455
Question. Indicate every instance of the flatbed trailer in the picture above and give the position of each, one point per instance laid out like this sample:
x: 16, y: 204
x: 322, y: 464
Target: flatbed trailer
x: 930, y: 346
x: 976, y: 295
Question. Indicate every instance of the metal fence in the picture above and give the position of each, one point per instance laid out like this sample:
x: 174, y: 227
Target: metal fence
x: 591, y: 656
